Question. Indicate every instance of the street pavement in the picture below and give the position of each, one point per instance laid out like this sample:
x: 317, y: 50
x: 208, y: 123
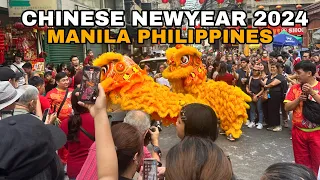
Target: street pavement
x: 250, y: 155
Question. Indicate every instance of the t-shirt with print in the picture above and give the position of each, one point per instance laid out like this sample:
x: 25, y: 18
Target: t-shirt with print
x: 297, y: 118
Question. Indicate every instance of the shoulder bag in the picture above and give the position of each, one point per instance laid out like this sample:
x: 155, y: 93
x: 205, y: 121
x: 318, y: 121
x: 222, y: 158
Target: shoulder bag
x: 87, y: 134
x: 62, y: 103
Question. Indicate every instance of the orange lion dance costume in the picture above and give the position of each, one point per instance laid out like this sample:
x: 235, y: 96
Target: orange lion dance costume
x: 127, y: 85
x: 187, y: 75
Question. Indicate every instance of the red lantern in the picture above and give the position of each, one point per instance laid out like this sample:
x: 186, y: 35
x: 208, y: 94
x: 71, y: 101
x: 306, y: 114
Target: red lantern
x: 257, y: 0
x: 220, y: 1
x: 165, y: 1
x: 182, y: 2
x: 184, y: 28
x: 201, y: 1
x: 18, y: 25
x: 197, y: 26
x: 299, y: 6
x: 239, y: 1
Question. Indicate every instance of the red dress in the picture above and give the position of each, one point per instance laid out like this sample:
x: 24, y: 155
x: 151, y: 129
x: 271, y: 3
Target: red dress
x: 228, y: 78
x: 78, y: 151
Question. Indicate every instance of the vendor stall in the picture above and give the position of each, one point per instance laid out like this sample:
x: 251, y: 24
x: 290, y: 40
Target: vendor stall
x: 15, y: 37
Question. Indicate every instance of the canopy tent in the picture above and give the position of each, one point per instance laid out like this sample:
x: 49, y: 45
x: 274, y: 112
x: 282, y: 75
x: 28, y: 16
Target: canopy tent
x: 285, y: 40
x: 297, y: 37
x: 254, y: 46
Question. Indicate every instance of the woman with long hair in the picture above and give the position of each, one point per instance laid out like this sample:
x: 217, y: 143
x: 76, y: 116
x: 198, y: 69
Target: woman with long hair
x: 80, y: 135
x: 223, y: 75
x: 129, y: 147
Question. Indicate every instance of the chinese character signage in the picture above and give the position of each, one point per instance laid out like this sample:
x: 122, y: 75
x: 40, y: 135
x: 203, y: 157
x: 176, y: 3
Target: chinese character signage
x: 16, y: 7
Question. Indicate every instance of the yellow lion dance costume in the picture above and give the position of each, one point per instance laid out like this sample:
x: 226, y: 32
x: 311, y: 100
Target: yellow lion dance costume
x: 187, y: 75
x: 127, y: 85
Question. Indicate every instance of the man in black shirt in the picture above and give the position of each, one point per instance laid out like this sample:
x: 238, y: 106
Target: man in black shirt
x: 242, y: 74
x: 51, y: 83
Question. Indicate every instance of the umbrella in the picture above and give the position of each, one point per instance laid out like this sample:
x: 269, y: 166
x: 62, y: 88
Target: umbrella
x: 285, y: 40
x: 297, y: 37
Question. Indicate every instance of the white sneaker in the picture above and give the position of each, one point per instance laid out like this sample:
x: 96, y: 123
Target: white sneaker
x: 251, y: 125
x: 247, y: 123
x: 259, y: 126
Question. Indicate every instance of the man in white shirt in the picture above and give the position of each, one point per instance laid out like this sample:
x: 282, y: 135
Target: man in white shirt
x: 17, y: 68
x: 161, y: 80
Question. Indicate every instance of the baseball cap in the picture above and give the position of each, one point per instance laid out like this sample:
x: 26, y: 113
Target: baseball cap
x: 7, y: 73
x: 8, y: 94
x: 27, y: 146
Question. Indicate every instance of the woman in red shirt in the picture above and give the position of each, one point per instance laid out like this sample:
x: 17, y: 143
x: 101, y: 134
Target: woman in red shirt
x: 80, y: 135
x: 223, y: 75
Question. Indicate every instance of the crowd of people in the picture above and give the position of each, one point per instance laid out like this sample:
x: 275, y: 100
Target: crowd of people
x: 77, y: 139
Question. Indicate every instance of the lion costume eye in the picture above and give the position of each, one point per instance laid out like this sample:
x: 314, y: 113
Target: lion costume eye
x: 105, y: 68
x: 184, y: 60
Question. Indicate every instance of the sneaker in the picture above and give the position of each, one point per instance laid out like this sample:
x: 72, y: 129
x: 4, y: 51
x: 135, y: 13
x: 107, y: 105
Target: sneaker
x: 251, y: 125
x: 259, y: 126
x: 277, y: 129
x: 270, y: 128
x: 230, y: 138
x: 247, y: 123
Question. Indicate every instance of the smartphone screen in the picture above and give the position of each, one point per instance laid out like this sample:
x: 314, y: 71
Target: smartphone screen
x: 150, y: 169
x: 45, y: 114
x: 89, y: 85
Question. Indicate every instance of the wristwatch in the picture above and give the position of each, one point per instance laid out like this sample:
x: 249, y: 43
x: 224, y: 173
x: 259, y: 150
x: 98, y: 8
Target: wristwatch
x: 157, y: 150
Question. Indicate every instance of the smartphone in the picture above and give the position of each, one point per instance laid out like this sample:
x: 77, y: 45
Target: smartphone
x: 89, y: 85
x: 45, y: 114
x: 150, y: 169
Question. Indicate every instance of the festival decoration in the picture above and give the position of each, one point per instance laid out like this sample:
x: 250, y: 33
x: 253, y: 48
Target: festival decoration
x: 18, y: 25
x: 278, y: 7
x: 220, y: 2
x: 184, y: 28
x: 197, y: 26
x: 299, y: 6
x: 201, y: 1
x: 186, y: 75
x: 183, y: 2
x: 165, y: 1
x: 130, y: 88
x: 261, y: 7
x: 239, y: 2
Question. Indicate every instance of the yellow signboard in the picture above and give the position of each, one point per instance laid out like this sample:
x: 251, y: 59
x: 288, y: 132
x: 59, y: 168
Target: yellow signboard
x: 16, y: 7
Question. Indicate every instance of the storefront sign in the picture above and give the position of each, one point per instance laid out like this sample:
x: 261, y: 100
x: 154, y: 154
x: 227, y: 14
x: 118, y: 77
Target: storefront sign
x: 38, y: 65
x: 297, y: 30
x: 16, y: 7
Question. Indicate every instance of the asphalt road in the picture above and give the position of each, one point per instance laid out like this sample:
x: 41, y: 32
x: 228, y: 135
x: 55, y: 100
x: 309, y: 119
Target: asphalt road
x: 250, y: 155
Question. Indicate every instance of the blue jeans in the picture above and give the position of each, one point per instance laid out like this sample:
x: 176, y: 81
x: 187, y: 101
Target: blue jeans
x: 253, y: 106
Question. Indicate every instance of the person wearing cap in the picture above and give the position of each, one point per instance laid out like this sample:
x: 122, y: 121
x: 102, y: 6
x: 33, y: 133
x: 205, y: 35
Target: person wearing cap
x: 7, y: 74
x: 8, y: 96
x: 255, y: 89
x: 28, y: 149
